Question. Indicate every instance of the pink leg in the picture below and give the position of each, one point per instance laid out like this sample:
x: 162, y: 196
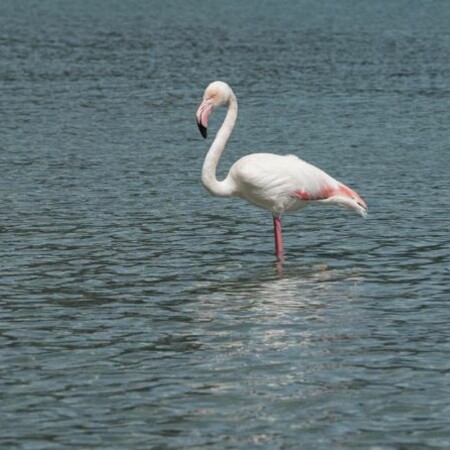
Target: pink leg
x: 278, y: 238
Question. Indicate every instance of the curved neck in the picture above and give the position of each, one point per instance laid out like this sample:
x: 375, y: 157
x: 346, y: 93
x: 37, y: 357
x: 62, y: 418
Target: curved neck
x: 218, y: 188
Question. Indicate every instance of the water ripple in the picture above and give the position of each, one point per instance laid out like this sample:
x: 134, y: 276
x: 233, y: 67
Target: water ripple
x: 138, y: 312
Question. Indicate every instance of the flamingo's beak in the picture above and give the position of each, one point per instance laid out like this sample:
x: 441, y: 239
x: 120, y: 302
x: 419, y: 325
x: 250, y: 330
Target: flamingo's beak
x: 203, y: 130
x: 202, y: 115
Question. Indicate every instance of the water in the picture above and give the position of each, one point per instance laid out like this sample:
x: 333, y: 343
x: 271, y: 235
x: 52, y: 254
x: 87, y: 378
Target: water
x: 137, y: 312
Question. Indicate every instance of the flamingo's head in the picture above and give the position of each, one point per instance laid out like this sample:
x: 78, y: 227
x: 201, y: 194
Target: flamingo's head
x: 216, y: 94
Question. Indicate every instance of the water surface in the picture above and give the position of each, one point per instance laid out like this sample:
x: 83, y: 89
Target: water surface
x: 138, y: 312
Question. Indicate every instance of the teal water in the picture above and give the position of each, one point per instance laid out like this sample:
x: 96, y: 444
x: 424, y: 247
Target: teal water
x: 137, y: 312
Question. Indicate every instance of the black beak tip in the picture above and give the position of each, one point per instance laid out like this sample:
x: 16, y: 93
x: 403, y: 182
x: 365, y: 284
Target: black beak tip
x: 203, y: 130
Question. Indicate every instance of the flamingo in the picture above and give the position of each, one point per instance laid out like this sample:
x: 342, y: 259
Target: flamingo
x: 277, y: 183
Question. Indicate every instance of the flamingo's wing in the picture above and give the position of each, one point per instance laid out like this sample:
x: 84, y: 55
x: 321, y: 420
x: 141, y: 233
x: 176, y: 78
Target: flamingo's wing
x: 274, y: 181
x: 287, y: 175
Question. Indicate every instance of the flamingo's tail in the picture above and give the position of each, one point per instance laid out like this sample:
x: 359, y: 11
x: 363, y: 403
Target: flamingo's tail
x: 347, y: 197
x: 340, y: 195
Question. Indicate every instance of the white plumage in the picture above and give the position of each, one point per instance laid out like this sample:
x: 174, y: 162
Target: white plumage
x: 274, y: 182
